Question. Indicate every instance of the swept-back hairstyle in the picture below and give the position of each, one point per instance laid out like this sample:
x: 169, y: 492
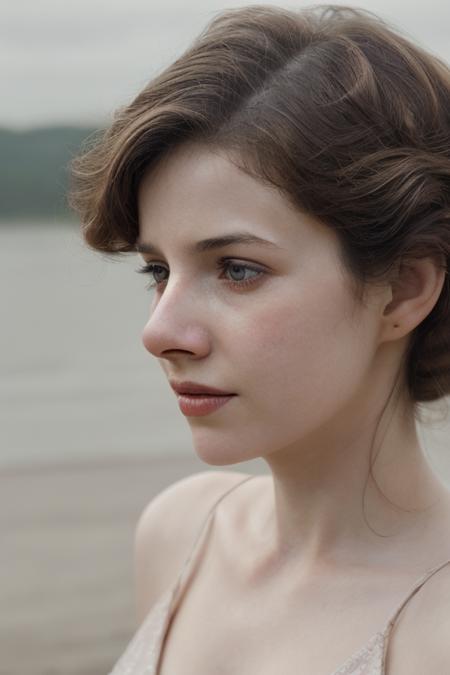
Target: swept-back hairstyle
x: 342, y: 113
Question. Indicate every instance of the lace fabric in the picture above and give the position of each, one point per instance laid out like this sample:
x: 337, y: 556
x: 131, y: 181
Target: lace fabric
x: 369, y: 660
x: 142, y: 653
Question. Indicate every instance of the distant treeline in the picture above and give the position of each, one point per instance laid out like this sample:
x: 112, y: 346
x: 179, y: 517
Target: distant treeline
x: 34, y: 173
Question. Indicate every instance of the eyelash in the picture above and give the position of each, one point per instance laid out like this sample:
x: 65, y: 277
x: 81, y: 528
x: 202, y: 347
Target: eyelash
x: 222, y: 264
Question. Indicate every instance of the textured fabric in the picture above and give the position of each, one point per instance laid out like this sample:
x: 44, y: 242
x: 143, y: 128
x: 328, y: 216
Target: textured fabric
x: 143, y: 653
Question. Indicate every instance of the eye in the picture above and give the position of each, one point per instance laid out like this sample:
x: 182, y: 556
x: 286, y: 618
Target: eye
x: 150, y: 268
x: 229, y: 266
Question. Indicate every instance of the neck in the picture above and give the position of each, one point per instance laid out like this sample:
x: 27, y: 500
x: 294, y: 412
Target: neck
x: 329, y: 508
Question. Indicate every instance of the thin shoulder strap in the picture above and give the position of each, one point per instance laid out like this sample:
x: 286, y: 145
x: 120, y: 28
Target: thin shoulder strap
x: 415, y: 588
x: 186, y: 567
x: 144, y: 652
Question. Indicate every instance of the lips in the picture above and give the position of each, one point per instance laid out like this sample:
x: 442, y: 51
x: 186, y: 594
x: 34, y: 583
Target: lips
x: 196, y: 389
x: 203, y: 404
x: 204, y: 395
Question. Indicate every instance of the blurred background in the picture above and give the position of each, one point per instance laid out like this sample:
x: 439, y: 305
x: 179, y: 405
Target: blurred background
x: 89, y: 429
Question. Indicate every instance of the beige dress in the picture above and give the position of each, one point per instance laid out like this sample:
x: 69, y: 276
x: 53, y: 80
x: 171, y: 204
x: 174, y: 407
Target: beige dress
x: 143, y: 654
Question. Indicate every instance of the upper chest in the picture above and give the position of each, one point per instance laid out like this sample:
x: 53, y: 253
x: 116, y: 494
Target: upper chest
x: 212, y: 636
x: 220, y: 629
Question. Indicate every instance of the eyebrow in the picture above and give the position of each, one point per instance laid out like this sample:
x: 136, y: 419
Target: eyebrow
x: 213, y: 243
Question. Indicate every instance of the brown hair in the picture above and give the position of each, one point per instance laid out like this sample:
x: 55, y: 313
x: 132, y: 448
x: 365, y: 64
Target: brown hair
x: 347, y: 117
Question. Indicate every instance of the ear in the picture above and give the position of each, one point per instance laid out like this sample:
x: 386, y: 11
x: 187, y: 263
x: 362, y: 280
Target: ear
x: 414, y: 293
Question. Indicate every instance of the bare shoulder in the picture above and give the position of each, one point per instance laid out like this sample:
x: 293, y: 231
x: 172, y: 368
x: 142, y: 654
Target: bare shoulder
x: 166, y: 529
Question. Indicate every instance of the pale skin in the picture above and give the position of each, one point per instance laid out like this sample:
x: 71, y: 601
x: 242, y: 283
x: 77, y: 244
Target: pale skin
x: 312, y: 372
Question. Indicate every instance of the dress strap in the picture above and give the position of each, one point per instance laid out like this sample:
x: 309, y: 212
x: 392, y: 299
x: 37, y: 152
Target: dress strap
x: 186, y: 567
x: 415, y: 588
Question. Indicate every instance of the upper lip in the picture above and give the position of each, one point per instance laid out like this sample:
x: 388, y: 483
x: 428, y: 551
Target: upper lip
x: 194, y: 388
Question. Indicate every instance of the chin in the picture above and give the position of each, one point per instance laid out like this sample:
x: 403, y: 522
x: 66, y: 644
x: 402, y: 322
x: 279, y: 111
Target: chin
x: 219, y: 459
x: 221, y: 456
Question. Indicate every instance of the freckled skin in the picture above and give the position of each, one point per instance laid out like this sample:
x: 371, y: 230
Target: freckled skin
x: 285, y: 344
x: 312, y: 369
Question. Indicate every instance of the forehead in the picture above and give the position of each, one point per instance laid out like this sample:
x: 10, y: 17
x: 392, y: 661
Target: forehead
x: 192, y: 170
x: 201, y: 192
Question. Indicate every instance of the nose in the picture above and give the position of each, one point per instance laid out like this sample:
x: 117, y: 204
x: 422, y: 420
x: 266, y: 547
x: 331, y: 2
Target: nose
x: 176, y: 326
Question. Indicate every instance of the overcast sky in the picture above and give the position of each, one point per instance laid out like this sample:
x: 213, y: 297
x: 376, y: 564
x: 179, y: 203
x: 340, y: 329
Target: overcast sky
x: 67, y: 61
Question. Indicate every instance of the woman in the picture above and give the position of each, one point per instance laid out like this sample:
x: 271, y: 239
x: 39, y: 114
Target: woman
x: 292, y: 172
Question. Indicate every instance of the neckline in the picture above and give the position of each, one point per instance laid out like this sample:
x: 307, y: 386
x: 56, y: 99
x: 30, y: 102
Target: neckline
x: 380, y: 636
x: 169, y: 597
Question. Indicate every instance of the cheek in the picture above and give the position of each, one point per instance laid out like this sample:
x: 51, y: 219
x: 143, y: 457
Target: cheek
x: 306, y: 351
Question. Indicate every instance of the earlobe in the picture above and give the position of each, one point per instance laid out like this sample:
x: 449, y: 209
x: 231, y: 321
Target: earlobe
x: 415, y: 292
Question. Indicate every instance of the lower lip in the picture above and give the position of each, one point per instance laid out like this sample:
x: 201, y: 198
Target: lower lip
x: 195, y: 406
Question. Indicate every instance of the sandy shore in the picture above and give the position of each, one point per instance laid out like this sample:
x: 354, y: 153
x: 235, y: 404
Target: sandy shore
x: 66, y: 575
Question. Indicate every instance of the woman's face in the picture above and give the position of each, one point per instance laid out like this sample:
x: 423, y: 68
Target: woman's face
x: 280, y: 328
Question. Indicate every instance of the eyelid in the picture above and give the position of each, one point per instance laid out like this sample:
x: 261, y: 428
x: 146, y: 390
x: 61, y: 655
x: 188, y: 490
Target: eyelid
x: 236, y: 258
x: 222, y: 264
x: 258, y: 267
